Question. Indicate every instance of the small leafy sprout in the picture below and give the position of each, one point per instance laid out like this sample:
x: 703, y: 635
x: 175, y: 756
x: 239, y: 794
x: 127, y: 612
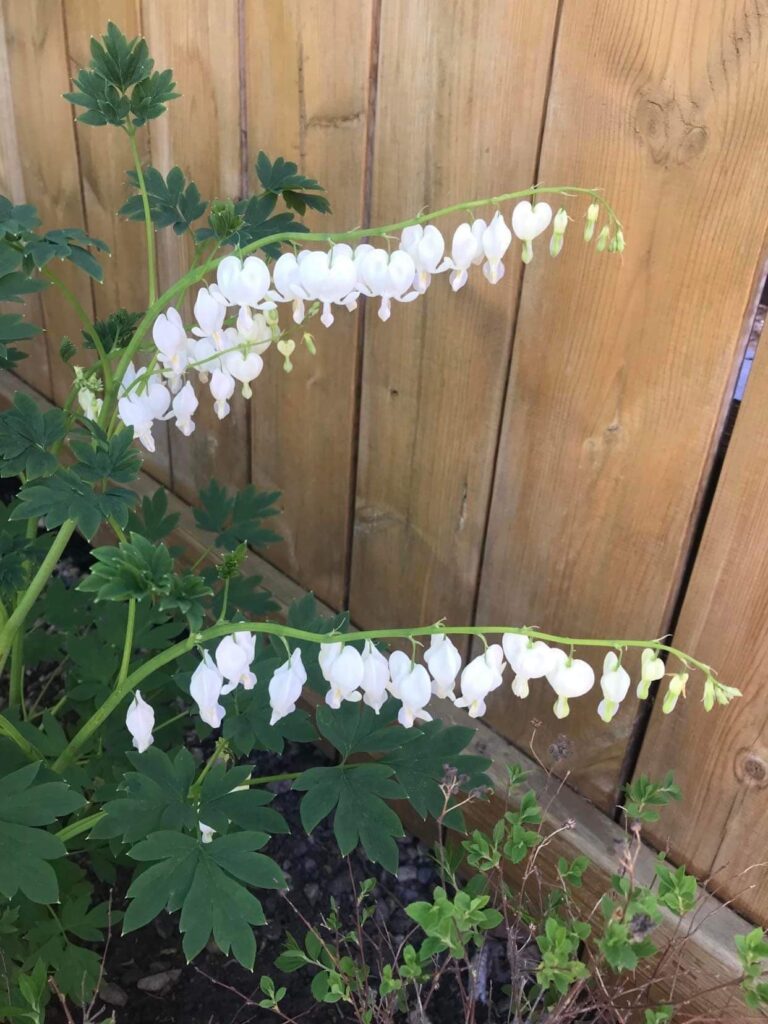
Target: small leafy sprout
x: 643, y: 797
x: 752, y: 949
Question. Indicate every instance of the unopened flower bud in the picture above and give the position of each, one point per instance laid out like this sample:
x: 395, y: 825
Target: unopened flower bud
x: 675, y: 688
x: 619, y: 239
x: 589, y: 227
x: 602, y: 238
x: 309, y: 341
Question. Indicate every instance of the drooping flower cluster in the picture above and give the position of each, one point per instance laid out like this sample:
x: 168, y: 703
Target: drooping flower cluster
x: 236, y: 319
x: 369, y: 676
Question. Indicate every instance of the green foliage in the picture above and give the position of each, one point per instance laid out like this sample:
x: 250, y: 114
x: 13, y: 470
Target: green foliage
x: 26, y: 849
x: 205, y: 882
x: 173, y: 202
x: 752, y: 949
x: 677, y: 889
x: 282, y: 179
x: 67, y: 244
x: 27, y: 436
x: 153, y: 521
x: 559, y: 943
x: 453, y: 924
x: 66, y: 495
x: 115, y: 331
x: 238, y: 518
x: 119, y: 86
x: 643, y: 796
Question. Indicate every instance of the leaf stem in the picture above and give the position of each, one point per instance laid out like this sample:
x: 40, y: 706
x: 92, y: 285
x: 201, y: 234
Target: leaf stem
x: 149, y: 229
x: 33, y: 591
x: 78, y: 827
x: 262, y: 780
x: 130, y: 627
x: 16, y: 682
x: 87, y: 323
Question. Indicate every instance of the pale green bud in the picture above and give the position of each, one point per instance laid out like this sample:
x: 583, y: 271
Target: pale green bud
x: 674, y: 690
x: 602, y: 239
x: 560, y: 222
x: 619, y: 238
x: 286, y: 348
x: 309, y: 341
x: 589, y: 228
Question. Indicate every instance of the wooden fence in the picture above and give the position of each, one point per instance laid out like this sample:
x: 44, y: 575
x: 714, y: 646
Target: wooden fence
x: 538, y: 452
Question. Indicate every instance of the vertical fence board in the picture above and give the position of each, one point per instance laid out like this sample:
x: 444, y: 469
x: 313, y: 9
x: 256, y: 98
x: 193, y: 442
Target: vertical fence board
x: 201, y: 134
x: 105, y: 157
x: 35, y: 369
x: 622, y: 371
x: 307, y: 103
x: 48, y: 156
x: 454, y: 120
x: 720, y: 759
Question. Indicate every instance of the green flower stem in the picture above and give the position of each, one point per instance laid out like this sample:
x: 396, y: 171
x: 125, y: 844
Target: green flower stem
x: 130, y: 627
x: 262, y: 780
x: 87, y: 323
x: 33, y: 591
x: 149, y: 229
x: 9, y: 730
x: 78, y: 827
x: 16, y: 682
x: 183, y: 647
x: 198, y: 273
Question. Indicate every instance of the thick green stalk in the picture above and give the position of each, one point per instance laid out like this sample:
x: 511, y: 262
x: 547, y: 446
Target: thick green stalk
x: 199, y: 272
x: 33, y: 591
x: 130, y: 683
x: 16, y: 683
x: 130, y: 627
x: 9, y: 730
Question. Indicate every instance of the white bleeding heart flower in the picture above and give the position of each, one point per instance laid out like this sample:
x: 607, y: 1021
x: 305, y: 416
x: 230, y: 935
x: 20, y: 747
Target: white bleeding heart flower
x: 496, y: 240
x: 206, y: 832
x: 425, y: 246
x: 414, y: 690
x: 210, y: 313
x: 142, y: 403
x: 285, y: 687
x: 253, y: 330
x: 675, y: 689
x: 171, y: 342
x: 234, y: 655
x: 466, y: 251
x: 388, y: 276
x: 345, y: 676
x: 205, y: 689
x: 527, y: 659
x: 375, y: 677
x: 140, y: 721
x: 614, y: 682
x: 183, y: 408
x: 399, y: 667
x: 444, y: 662
x: 243, y: 283
x: 528, y: 222
x: 327, y: 655
x: 222, y: 388
x: 244, y: 368
x: 330, y: 277
x: 482, y: 675
x: 288, y: 288
x: 569, y: 677
x: 651, y: 670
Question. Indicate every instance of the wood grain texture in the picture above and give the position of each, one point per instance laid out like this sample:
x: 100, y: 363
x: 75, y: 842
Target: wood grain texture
x: 459, y: 105
x: 720, y: 760
x: 623, y: 368
x: 35, y: 369
x: 37, y: 58
x: 201, y: 134
x: 307, y: 104
x: 105, y: 157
